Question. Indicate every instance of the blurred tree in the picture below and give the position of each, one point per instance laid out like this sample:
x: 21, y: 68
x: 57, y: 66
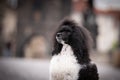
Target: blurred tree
x: 89, y: 20
x: 119, y: 33
x: 2, y: 7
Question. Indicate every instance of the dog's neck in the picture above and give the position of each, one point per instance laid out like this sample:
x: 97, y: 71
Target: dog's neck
x: 66, y: 49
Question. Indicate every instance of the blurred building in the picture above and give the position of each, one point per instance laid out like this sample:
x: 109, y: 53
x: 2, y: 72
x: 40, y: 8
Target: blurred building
x: 108, y: 19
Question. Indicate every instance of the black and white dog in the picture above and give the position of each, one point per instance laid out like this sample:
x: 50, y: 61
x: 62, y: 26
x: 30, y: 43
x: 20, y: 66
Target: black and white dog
x: 70, y: 60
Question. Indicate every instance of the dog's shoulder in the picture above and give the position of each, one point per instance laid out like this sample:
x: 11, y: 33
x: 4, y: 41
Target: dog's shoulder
x: 88, y: 72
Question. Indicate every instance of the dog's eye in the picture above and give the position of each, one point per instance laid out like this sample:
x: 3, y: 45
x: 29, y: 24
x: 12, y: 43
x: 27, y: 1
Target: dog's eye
x: 67, y: 30
x: 68, y: 33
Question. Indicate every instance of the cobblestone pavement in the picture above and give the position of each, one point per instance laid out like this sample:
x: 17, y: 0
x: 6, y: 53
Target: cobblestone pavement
x: 24, y: 69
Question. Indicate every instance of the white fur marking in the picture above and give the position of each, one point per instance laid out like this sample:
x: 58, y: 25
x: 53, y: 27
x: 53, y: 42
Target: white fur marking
x: 64, y: 66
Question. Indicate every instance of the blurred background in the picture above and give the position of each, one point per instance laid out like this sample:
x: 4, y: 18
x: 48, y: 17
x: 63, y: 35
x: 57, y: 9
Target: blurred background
x: 27, y: 28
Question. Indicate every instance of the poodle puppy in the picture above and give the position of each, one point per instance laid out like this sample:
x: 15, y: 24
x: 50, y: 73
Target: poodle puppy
x: 70, y: 56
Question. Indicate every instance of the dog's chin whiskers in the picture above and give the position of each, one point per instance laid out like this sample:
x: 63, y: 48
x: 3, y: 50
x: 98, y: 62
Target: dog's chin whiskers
x: 62, y: 42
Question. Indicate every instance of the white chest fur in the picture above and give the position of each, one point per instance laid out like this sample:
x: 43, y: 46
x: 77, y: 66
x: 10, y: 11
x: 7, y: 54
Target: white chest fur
x: 64, y: 66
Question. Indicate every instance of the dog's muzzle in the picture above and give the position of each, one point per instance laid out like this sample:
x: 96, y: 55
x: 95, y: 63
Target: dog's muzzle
x: 59, y: 37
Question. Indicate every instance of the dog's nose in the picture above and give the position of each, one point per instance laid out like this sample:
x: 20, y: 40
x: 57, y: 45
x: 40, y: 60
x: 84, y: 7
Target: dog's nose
x: 59, y: 34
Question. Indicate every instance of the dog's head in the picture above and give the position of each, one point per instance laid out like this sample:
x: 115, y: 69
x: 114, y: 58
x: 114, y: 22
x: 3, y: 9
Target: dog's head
x: 64, y: 33
x: 70, y: 32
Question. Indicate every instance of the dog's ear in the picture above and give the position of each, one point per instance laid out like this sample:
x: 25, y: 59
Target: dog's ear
x: 86, y: 36
x: 80, y: 42
x: 82, y: 37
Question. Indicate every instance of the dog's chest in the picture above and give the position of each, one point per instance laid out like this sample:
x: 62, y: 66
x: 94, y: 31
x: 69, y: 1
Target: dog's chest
x: 64, y: 66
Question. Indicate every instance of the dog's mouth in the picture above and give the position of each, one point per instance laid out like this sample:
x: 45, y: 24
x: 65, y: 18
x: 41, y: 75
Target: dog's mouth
x: 60, y: 40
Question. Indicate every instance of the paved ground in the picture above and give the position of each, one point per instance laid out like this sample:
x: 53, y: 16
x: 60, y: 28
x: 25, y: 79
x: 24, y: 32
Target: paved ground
x: 23, y: 69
